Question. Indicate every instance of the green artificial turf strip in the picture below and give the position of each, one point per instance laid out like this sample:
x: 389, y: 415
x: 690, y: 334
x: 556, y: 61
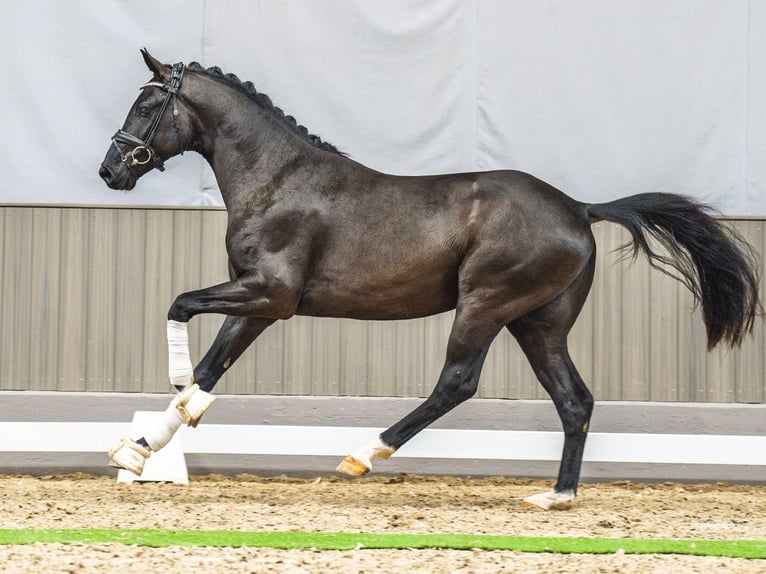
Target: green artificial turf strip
x: 346, y: 541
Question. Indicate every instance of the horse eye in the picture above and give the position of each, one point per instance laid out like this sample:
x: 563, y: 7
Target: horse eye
x: 143, y: 111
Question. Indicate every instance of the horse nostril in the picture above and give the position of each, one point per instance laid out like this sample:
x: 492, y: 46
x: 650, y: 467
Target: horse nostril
x: 105, y: 173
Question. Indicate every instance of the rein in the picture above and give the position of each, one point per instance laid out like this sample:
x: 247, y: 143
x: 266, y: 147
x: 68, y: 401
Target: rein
x: 143, y: 152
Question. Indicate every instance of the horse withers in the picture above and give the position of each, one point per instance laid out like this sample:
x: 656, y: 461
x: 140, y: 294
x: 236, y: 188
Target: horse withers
x: 312, y: 232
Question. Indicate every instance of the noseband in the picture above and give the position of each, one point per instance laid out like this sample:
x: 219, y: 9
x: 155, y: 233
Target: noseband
x: 143, y: 152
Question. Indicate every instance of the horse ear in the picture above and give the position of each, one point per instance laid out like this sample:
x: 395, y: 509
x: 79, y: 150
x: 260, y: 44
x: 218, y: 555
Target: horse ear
x: 159, y: 69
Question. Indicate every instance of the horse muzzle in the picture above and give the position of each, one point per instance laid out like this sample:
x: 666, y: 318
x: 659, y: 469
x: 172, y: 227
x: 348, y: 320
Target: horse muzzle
x: 120, y: 179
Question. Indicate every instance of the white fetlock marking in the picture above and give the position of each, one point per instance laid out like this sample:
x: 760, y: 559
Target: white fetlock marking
x: 192, y: 404
x: 375, y: 449
x: 161, y: 434
x: 129, y: 455
x: 180, y: 370
x: 551, y: 500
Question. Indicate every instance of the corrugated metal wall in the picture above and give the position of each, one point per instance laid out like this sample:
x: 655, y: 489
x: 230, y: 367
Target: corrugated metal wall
x: 84, y: 294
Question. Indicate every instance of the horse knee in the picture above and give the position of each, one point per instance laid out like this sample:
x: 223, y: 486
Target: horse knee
x: 179, y: 310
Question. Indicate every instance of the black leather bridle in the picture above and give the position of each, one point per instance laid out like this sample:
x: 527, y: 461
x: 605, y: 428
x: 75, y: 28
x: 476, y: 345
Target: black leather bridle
x: 143, y: 152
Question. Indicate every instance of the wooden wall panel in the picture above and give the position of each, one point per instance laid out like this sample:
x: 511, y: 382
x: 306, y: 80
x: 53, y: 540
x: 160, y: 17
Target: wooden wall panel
x: 84, y: 295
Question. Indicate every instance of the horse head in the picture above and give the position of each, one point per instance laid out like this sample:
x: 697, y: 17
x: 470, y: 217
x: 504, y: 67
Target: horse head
x: 153, y: 131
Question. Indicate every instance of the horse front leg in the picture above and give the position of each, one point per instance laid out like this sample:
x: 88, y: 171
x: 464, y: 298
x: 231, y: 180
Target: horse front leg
x: 467, y: 348
x: 252, y: 302
x: 234, y: 337
x: 250, y: 296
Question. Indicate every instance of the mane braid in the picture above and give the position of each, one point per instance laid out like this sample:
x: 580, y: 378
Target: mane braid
x: 264, y: 102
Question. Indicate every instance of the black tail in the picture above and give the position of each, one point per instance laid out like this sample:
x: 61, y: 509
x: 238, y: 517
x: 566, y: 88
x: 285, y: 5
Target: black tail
x: 719, y: 267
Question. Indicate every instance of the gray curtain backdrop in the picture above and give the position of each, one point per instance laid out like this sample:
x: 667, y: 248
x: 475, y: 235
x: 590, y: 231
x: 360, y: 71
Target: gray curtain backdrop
x: 602, y: 98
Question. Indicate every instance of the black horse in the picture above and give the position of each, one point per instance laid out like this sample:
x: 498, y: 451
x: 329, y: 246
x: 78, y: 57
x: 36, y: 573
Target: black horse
x: 312, y: 232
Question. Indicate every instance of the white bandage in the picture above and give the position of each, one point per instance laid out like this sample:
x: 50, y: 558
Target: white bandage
x: 161, y: 433
x: 187, y: 407
x: 180, y: 368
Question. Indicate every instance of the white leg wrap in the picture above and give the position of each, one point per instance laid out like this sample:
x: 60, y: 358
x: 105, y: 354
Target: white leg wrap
x: 161, y: 433
x: 192, y: 404
x: 180, y: 368
x: 359, y: 462
x: 188, y: 407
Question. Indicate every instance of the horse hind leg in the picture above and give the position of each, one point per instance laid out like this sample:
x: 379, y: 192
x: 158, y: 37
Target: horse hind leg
x: 542, y: 335
x: 574, y: 404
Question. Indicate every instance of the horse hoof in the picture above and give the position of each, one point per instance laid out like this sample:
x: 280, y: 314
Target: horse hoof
x: 129, y: 455
x: 353, y: 466
x: 550, y: 500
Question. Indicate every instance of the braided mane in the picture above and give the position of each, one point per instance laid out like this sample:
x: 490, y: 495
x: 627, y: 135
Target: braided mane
x: 263, y: 101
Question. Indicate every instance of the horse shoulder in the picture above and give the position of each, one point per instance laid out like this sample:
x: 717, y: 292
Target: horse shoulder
x: 281, y: 236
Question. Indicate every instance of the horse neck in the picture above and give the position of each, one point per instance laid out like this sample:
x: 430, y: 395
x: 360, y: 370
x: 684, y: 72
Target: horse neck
x: 244, y: 145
